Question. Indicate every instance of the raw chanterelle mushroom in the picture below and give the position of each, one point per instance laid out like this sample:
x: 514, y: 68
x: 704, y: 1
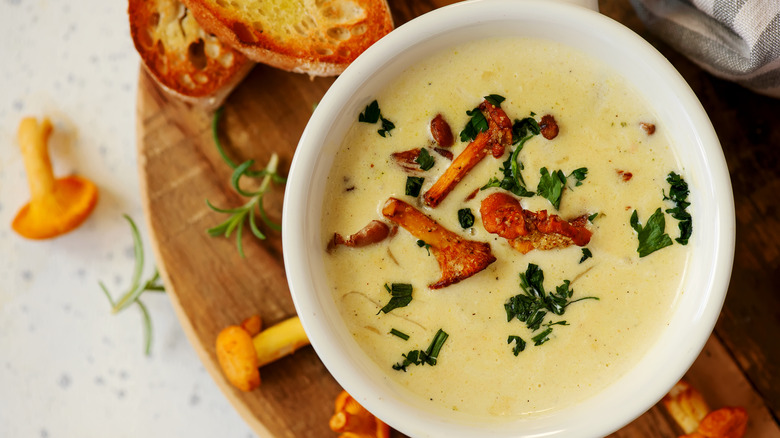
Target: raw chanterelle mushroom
x: 56, y: 205
x: 242, y: 350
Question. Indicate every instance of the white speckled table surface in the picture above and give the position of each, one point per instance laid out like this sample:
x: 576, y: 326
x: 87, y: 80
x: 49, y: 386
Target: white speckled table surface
x: 68, y: 366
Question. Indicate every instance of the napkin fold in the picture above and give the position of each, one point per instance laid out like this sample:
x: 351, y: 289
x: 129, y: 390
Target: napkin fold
x: 737, y: 40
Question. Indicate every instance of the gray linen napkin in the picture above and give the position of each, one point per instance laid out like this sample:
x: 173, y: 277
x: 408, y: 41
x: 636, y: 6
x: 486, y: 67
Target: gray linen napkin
x: 737, y: 40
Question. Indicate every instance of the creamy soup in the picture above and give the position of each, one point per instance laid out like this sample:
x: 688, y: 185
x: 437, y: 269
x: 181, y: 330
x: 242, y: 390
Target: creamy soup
x: 602, y: 124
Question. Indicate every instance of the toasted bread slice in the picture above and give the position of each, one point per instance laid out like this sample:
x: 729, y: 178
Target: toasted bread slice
x: 184, y: 60
x: 317, y: 37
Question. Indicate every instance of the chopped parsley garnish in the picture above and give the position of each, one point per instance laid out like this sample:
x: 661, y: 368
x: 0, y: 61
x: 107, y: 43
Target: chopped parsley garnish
x: 419, y: 357
x: 551, y: 186
x: 401, y: 296
x: 522, y: 131
x: 466, y: 218
x: 519, y: 344
x: 592, y: 217
x: 476, y: 124
x: 542, y: 337
x: 421, y: 243
x: 678, y: 193
x: 413, y: 185
x: 400, y: 334
x: 372, y: 114
x: 532, y: 306
x: 425, y: 160
x: 586, y: 254
x: 495, y: 99
x: 652, y: 236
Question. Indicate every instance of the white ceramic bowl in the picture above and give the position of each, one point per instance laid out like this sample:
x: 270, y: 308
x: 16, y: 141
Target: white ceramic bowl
x: 678, y: 109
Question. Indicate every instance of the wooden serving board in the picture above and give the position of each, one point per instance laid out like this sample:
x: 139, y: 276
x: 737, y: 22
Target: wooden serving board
x: 212, y: 287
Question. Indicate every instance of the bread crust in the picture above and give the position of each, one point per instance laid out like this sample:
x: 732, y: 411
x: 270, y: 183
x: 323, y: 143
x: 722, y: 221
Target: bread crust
x: 323, y: 45
x: 182, y: 58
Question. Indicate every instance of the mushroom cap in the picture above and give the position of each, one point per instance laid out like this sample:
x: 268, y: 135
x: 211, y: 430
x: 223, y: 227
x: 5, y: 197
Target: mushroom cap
x: 238, y: 358
x: 71, y: 201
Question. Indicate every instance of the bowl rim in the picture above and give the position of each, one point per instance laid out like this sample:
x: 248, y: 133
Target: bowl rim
x: 298, y: 236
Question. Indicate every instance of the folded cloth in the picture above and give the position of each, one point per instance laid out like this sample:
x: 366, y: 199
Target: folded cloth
x: 737, y: 40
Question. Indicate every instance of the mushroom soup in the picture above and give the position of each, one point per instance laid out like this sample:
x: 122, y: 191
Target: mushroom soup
x: 499, y: 289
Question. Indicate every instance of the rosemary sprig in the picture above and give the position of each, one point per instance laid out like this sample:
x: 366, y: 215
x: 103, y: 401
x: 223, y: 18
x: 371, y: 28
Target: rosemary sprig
x: 133, y: 294
x: 247, y: 213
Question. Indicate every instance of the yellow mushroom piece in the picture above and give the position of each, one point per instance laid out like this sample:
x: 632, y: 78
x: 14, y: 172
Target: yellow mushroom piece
x: 687, y: 406
x: 240, y: 355
x: 351, y: 420
x: 56, y: 205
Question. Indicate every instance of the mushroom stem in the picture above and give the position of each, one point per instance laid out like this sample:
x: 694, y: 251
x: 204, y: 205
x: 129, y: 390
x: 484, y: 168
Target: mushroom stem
x: 240, y: 355
x: 33, y: 138
x: 279, y: 340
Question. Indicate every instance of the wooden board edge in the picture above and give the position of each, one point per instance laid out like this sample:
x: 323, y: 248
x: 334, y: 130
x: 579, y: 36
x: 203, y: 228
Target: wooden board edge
x: 203, y: 355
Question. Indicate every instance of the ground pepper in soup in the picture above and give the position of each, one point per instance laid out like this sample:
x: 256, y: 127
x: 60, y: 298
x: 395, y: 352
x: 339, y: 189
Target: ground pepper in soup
x: 506, y: 228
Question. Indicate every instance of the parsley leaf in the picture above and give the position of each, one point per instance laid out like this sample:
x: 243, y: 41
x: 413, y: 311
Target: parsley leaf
x: 519, y: 344
x: 495, y: 99
x: 579, y: 175
x: 678, y: 193
x: 422, y: 244
x: 586, y: 254
x: 387, y: 126
x: 413, y: 185
x: 425, y: 160
x: 419, y: 357
x: 542, y: 337
x: 652, y: 236
x: 532, y: 306
x: 524, y: 129
x: 592, y: 217
x: 476, y: 124
x: 401, y: 296
x: 372, y: 114
x: 551, y: 186
x: 466, y: 218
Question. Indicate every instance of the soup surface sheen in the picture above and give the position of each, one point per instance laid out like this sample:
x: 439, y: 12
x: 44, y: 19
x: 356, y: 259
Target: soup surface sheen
x: 476, y: 373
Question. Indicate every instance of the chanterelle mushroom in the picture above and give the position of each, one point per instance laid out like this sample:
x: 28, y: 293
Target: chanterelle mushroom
x: 240, y: 355
x: 56, y: 205
x: 352, y: 420
x: 688, y: 408
x: 458, y: 258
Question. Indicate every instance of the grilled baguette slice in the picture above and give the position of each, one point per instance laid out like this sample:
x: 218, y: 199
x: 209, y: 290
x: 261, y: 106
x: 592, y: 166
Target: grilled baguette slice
x: 316, y: 37
x: 184, y: 60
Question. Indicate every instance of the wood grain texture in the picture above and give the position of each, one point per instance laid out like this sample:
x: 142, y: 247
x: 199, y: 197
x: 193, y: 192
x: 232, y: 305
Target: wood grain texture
x: 211, y: 286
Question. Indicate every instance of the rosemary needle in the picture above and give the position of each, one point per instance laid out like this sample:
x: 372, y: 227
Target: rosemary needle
x: 248, y: 212
x: 133, y: 294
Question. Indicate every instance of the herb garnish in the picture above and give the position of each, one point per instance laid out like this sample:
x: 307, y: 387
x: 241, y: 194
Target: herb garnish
x: 476, y: 124
x: 401, y: 296
x: 400, y: 334
x: 586, y: 254
x: 245, y: 213
x: 522, y: 131
x: 519, y: 344
x: 421, y: 243
x: 372, y: 114
x: 413, y: 185
x: 419, y: 357
x: 678, y: 193
x: 133, y: 295
x: 466, y: 218
x: 495, y: 99
x: 652, y: 236
x: 592, y: 217
x: 532, y: 306
x: 425, y: 160
x: 551, y: 185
